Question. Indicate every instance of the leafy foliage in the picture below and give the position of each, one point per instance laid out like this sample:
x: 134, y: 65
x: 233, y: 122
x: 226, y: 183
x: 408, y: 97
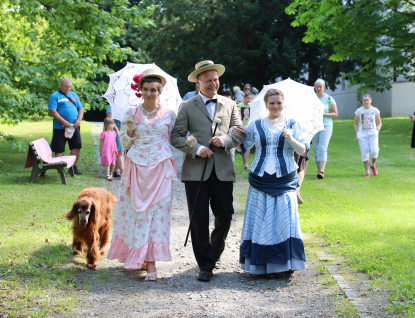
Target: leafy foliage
x: 376, y: 33
x: 14, y: 142
x: 253, y: 39
x: 43, y: 41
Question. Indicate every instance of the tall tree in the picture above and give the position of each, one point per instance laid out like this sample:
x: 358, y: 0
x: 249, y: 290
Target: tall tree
x: 253, y: 39
x: 42, y: 41
x: 379, y: 34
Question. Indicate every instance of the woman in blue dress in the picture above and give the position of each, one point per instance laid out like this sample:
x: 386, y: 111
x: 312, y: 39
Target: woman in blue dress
x: 271, y: 240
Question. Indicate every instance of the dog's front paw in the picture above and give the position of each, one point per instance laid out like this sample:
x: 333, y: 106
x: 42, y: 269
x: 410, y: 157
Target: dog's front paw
x: 92, y: 266
x: 102, y: 252
x: 77, y: 252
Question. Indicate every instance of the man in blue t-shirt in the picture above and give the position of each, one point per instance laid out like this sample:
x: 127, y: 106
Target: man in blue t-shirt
x: 67, y: 112
x: 189, y: 95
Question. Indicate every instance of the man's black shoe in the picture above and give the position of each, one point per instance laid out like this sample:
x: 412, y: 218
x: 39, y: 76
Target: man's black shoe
x: 217, y: 264
x: 76, y: 171
x: 204, y: 276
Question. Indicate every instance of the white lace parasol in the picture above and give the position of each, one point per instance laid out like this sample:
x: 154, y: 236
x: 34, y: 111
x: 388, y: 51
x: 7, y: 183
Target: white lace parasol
x: 121, y: 96
x: 300, y: 103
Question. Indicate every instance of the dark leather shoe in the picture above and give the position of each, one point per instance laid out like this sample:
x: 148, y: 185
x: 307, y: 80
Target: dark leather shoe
x: 217, y: 264
x: 116, y: 174
x: 204, y: 276
x: 76, y: 171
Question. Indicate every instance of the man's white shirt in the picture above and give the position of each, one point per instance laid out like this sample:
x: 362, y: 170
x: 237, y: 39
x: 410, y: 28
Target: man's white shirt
x: 211, y: 108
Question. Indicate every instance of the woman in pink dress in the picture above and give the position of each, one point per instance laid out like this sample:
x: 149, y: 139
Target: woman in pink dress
x: 108, y: 147
x: 141, y: 234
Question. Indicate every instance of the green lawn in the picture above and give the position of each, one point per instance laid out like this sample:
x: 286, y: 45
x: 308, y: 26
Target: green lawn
x: 369, y: 222
x: 30, y: 214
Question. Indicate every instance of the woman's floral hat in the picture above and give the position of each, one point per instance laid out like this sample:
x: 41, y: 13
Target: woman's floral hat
x: 147, y: 73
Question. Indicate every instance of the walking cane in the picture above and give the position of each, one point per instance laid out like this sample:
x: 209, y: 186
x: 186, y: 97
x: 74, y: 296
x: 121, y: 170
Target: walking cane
x: 216, y: 121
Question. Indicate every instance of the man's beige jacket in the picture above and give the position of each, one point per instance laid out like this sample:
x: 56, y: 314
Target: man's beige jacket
x: 194, y: 117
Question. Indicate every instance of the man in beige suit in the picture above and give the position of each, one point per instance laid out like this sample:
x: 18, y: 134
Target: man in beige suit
x: 197, y: 116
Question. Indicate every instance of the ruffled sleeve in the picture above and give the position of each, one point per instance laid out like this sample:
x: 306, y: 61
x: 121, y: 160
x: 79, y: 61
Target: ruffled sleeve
x: 250, y: 136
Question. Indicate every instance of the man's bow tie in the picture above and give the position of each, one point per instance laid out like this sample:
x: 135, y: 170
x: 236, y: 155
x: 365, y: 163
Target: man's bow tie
x: 211, y: 100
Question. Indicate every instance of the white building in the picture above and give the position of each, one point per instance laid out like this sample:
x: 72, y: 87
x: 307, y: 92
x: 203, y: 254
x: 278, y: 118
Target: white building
x: 399, y: 101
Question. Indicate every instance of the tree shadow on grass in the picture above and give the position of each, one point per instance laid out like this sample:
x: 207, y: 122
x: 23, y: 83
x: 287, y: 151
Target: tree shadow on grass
x: 36, y: 283
x: 43, y: 263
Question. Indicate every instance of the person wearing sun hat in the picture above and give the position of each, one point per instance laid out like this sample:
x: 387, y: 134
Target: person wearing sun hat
x: 197, y: 116
x: 141, y: 234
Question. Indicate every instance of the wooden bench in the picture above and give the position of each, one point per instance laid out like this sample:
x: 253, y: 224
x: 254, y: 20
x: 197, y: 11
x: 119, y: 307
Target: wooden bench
x: 40, y: 150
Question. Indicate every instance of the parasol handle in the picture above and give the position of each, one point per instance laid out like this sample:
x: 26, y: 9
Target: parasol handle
x: 285, y: 115
x: 285, y: 119
x: 286, y: 106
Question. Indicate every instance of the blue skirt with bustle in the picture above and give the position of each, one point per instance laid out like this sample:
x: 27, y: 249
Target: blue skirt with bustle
x: 271, y: 240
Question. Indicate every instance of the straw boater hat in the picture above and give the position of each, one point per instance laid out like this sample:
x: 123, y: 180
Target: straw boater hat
x: 149, y: 73
x: 205, y: 66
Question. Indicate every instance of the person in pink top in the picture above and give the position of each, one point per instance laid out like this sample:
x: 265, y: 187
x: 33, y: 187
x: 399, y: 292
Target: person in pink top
x: 141, y: 233
x: 108, y: 147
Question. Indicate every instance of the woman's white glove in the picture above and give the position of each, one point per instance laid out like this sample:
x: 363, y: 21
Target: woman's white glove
x: 131, y: 123
x: 191, y: 141
x: 299, y: 147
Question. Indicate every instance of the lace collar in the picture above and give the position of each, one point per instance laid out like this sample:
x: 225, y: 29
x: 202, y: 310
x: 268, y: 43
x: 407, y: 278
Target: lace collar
x: 142, y: 118
x: 275, y: 124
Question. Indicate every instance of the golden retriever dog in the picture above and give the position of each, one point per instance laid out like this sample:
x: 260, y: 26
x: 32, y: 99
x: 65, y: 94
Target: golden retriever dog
x: 91, y: 216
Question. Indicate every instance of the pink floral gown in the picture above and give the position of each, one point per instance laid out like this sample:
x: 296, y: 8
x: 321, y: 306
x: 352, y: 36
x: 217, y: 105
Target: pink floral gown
x: 141, y: 230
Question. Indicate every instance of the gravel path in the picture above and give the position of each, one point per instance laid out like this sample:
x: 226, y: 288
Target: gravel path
x: 112, y: 291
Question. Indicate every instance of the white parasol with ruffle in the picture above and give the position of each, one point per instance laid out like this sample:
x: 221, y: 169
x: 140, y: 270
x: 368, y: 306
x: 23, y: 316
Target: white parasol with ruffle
x: 121, y: 96
x: 300, y: 103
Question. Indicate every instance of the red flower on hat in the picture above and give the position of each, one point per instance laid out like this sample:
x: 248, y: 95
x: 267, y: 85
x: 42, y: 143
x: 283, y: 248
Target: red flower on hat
x: 137, y: 77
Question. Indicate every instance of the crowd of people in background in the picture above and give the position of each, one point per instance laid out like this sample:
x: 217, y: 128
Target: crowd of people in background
x: 367, y: 124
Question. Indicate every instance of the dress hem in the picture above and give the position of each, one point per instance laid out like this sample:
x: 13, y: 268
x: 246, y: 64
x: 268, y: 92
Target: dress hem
x: 134, y: 258
x: 292, y: 264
